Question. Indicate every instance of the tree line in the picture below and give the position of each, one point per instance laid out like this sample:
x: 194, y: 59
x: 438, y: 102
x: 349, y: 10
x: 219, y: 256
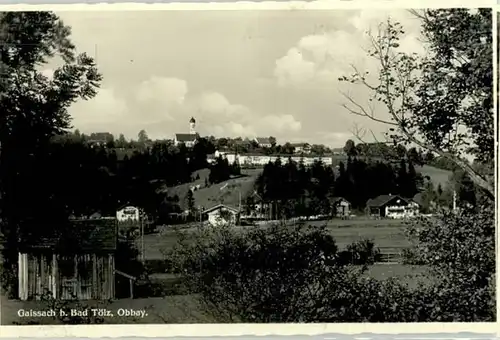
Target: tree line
x: 297, y: 190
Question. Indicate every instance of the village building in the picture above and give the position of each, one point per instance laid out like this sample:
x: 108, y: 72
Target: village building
x: 188, y: 139
x: 341, y: 207
x: 222, y: 214
x: 100, y: 138
x: 127, y: 213
x: 263, y: 142
x: 301, y: 148
x: 392, y: 206
x: 76, y: 260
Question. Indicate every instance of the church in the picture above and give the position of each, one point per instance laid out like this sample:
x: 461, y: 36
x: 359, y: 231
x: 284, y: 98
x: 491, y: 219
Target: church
x: 188, y: 139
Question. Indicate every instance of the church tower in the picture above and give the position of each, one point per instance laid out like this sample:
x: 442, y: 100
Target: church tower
x: 192, y: 126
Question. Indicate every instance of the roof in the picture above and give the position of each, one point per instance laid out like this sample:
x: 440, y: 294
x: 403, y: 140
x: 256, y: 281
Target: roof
x: 219, y: 206
x: 382, y: 200
x: 100, y: 136
x: 186, y: 137
x: 302, y: 144
x: 263, y: 140
x: 339, y: 199
x: 126, y: 205
x: 75, y: 236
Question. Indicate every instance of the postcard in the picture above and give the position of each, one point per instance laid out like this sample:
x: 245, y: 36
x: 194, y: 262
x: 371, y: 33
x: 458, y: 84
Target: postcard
x: 225, y: 169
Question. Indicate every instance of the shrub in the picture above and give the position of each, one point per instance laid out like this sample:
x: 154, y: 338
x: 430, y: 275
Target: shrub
x: 361, y: 252
x: 460, y: 251
x: 295, y: 274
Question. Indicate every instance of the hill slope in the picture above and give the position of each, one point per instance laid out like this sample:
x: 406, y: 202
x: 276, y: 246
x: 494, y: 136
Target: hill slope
x: 227, y: 192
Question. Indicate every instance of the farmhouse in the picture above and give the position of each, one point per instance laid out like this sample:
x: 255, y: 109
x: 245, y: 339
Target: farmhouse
x: 77, y: 260
x: 127, y: 213
x: 392, y: 206
x: 221, y: 214
x: 341, y: 207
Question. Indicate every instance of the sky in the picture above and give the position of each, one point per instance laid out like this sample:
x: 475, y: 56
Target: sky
x: 239, y: 73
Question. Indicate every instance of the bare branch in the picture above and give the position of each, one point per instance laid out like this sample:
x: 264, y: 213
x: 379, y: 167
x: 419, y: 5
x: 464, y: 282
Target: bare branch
x: 362, y: 111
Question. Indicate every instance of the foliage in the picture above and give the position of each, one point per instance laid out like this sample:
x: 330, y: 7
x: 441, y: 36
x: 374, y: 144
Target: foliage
x: 460, y: 250
x: 444, y: 100
x: 362, y: 252
x: 34, y: 108
x: 221, y: 170
x: 295, y: 274
x: 298, y: 191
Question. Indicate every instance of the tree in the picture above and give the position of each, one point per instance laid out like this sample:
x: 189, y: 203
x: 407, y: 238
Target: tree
x: 272, y: 141
x: 33, y: 109
x: 121, y: 142
x: 432, y: 100
x: 350, y: 148
x: 142, y: 137
x: 190, y: 202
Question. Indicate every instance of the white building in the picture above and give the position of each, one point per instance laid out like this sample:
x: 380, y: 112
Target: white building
x: 128, y: 213
x: 261, y: 160
x: 222, y: 214
x: 392, y: 206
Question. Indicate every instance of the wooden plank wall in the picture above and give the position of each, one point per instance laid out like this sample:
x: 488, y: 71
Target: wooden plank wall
x: 23, y: 276
x: 93, y: 277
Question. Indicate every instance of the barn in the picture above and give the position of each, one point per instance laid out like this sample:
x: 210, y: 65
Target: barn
x: 76, y: 260
x: 341, y: 207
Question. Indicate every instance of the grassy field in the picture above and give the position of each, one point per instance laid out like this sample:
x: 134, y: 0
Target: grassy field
x: 228, y: 192
x: 437, y: 176
x: 388, y: 235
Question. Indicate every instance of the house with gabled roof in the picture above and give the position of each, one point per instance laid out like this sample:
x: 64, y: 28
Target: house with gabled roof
x: 222, y: 214
x: 392, y: 206
x: 263, y: 142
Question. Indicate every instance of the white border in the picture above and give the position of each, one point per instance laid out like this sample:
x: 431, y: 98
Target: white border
x: 207, y: 330
x: 265, y: 5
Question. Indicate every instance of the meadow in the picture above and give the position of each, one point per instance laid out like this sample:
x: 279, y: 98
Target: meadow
x: 388, y: 235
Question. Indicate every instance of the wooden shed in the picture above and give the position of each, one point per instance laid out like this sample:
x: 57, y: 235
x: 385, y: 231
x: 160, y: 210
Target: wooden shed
x: 73, y: 261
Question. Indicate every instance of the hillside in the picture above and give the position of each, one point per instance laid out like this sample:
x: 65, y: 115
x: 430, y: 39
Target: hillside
x: 212, y: 195
x: 209, y: 196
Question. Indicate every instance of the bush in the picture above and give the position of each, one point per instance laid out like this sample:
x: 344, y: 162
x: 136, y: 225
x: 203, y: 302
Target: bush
x: 360, y: 253
x: 460, y: 250
x: 295, y: 274
x: 246, y: 275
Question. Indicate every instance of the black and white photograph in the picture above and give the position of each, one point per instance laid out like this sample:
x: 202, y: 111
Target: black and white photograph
x: 247, y: 166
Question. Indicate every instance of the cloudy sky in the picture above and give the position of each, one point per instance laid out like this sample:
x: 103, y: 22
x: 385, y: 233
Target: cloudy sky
x: 239, y: 73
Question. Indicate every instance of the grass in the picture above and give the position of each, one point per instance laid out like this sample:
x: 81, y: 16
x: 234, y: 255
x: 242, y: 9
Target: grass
x: 437, y: 176
x: 227, y: 192
x: 388, y: 235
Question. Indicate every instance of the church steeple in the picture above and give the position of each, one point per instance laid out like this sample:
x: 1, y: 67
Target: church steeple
x: 192, y: 126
